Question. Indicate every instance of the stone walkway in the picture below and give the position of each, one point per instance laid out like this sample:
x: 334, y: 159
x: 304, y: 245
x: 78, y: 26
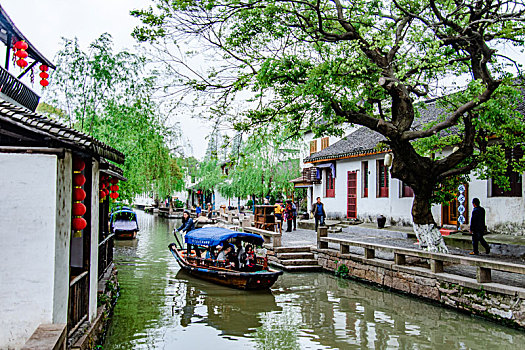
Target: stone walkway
x: 304, y: 237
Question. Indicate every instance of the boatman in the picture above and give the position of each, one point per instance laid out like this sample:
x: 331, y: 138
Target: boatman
x: 186, y: 226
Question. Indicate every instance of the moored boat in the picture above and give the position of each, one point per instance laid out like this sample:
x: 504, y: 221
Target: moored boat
x: 259, y: 277
x: 123, y: 223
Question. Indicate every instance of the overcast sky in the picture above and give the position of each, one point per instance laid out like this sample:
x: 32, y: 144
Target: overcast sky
x: 45, y: 22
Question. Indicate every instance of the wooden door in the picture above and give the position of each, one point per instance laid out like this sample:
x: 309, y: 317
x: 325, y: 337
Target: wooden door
x: 450, y: 212
x: 351, y: 203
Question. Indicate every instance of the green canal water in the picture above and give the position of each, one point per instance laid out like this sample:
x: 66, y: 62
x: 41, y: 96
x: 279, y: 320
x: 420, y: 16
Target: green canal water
x: 160, y: 307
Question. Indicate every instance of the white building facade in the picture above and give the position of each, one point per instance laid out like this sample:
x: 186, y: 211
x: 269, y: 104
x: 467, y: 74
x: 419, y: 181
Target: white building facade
x: 353, y: 182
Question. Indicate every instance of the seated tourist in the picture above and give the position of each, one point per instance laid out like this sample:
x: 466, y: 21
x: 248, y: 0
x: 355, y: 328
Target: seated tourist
x: 248, y: 258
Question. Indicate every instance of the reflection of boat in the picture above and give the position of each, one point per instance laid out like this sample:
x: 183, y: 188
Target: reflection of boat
x: 233, y: 312
x: 211, y: 270
x: 123, y: 223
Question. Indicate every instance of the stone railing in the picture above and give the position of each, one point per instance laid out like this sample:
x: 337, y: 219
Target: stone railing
x: 273, y: 239
x: 436, y: 260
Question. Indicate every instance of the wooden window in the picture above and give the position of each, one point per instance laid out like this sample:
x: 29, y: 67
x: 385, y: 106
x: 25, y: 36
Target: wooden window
x: 324, y: 142
x: 406, y: 191
x: 364, y: 169
x: 515, y: 178
x: 313, y: 146
x: 330, y: 184
x: 382, y: 179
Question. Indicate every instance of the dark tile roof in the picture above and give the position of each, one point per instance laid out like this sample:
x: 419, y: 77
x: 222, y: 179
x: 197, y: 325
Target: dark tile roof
x: 364, y: 141
x: 54, y: 130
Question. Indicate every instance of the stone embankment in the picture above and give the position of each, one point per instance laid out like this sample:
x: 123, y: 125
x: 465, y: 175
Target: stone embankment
x: 496, y: 291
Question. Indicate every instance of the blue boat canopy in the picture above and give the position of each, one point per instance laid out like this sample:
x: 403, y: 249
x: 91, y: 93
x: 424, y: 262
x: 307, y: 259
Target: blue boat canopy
x: 212, y: 236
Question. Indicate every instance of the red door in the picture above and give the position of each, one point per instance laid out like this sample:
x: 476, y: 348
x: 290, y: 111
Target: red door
x: 351, y: 203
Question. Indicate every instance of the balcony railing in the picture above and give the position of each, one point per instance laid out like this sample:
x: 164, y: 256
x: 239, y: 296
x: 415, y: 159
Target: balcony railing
x: 78, y: 301
x: 17, y: 91
x: 105, y: 254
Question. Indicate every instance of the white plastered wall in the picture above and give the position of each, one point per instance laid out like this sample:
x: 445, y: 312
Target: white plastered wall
x: 27, y: 231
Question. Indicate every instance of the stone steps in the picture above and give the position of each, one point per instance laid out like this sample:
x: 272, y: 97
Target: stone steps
x: 295, y: 259
x: 299, y: 255
x: 292, y: 249
x: 308, y: 262
x: 298, y: 268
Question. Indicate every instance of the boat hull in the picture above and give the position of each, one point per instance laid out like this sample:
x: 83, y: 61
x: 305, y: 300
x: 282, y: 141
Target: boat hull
x: 125, y: 234
x: 234, y: 279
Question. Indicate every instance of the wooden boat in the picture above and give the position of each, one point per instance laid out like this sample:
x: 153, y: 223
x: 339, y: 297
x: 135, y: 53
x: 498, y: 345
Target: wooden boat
x: 218, y: 272
x: 123, y: 223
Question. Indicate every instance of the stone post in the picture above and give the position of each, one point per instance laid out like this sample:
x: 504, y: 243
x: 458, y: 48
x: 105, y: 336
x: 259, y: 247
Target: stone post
x: 322, y: 231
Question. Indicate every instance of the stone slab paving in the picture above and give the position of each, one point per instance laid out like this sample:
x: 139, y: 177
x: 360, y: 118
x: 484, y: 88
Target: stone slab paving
x: 402, y: 239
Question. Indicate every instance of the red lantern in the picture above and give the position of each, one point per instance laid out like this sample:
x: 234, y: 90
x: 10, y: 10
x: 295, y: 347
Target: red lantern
x: 114, y: 195
x: 107, y: 191
x: 44, y: 82
x: 21, y: 63
x: 21, y: 45
x: 43, y: 75
x: 79, y: 224
x: 79, y: 179
x: 21, y: 54
x: 79, y: 209
x: 114, y: 181
x: 102, y: 194
x: 78, y: 164
x: 44, y: 68
x: 115, y: 188
x: 79, y: 194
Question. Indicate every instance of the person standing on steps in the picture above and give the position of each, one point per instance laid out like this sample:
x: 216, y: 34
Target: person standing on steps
x: 318, y: 212
x: 477, y: 228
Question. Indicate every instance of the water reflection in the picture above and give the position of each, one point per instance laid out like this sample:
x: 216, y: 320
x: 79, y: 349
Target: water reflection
x: 161, y: 307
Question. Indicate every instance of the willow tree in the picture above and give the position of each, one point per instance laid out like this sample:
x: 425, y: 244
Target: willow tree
x: 108, y: 95
x: 366, y: 62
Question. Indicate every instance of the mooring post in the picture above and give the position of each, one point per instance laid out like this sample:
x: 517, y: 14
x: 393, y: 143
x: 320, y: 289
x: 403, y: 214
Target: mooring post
x: 322, y: 231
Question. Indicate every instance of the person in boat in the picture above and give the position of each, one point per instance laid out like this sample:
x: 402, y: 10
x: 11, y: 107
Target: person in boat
x: 187, y: 226
x: 225, y: 255
x: 248, y: 258
x: 238, y: 256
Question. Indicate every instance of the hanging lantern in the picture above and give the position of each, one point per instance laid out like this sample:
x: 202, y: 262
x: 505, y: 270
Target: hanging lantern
x: 21, y: 54
x: 102, y: 195
x: 21, y: 63
x: 78, y: 164
x: 79, y: 179
x: 79, y: 209
x: 79, y: 194
x: 114, y: 188
x: 114, y: 181
x: 79, y: 224
x: 21, y: 45
x: 44, y: 75
x: 113, y: 195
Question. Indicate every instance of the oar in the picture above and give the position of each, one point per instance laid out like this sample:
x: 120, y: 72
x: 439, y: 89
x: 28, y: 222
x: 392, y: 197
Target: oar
x: 177, y: 239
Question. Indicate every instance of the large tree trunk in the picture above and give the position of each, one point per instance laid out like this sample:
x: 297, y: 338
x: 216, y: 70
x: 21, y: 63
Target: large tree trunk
x: 425, y: 227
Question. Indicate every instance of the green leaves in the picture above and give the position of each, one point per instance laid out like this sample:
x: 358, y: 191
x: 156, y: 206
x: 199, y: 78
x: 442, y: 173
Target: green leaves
x: 108, y: 94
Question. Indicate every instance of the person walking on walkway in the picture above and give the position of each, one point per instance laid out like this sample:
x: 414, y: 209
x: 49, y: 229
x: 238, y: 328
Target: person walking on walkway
x: 477, y: 227
x: 288, y: 212
x: 294, y: 212
x: 319, y: 213
x: 278, y: 212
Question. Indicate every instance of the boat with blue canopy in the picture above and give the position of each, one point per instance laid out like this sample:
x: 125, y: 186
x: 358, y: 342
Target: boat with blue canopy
x: 199, y: 262
x: 123, y: 223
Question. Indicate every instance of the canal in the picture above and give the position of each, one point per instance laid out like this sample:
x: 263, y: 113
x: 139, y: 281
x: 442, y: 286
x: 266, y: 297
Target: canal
x: 160, y: 307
